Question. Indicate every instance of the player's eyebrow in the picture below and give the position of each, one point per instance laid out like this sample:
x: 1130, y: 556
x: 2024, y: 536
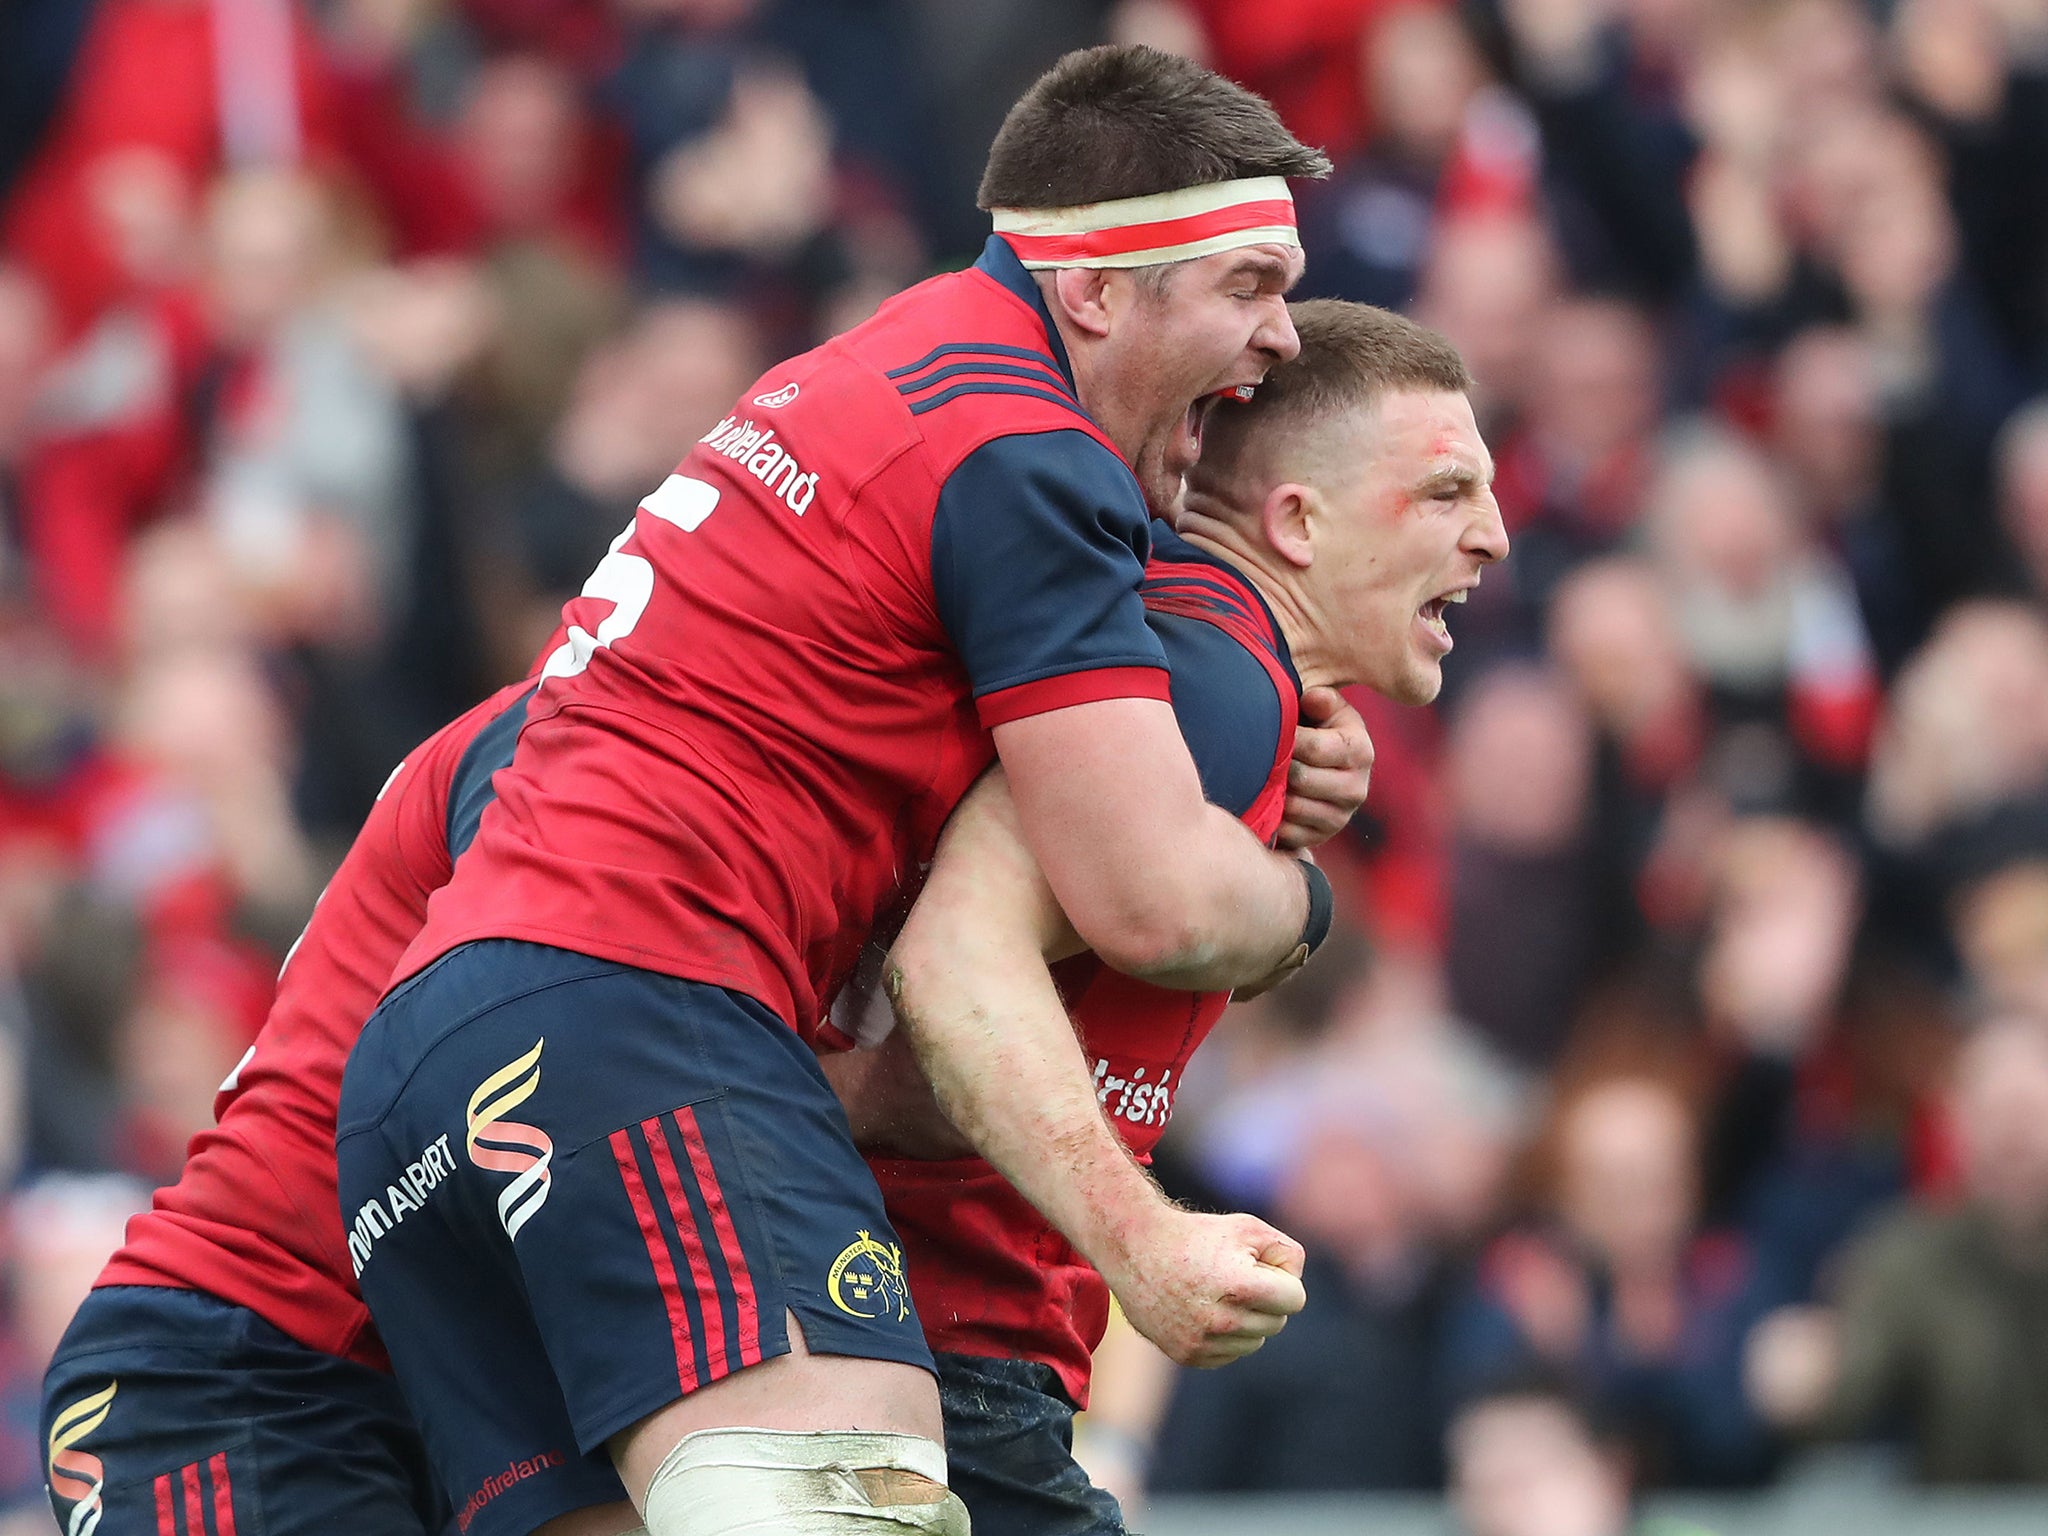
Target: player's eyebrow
x: 1269, y: 271
x: 1462, y: 478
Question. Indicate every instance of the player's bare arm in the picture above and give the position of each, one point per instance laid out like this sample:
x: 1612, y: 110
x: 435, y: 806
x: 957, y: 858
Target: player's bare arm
x: 969, y: 979
x: 1153, y: 878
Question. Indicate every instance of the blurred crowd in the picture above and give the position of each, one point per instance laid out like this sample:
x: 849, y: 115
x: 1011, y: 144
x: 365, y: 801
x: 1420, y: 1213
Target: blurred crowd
x: 1677, y: 1095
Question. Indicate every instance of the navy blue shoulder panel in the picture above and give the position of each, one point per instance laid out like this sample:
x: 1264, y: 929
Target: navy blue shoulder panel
x: 1039, y: 542
x: 1001, y: 263
x: 1227, y: 706
x: 1204, y: 580
x: 470, y: 792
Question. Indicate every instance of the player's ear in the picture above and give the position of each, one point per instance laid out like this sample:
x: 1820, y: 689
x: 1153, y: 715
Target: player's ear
x: 1081, y: 295
x: 1287, y: 518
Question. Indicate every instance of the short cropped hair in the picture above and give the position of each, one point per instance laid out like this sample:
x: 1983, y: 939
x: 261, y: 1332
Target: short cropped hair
x: 1124, y: 120
x: 1351, y: 355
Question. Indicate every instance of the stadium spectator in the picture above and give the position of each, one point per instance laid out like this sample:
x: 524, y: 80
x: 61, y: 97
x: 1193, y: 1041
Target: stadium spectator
x: 59, y: 1230
x: 1367, y: 230
x: 1384, y: 1151
x: 1488, y: 279
x: 1769, y: 622
x: 1605, y: 89
x: 1965, y: 732
x: 2022, y: 467
x: 2000, y: 914
x: 1525, y: 1462
x: 1522, y: 889
x: 1574, y: 473
x: 1612, y: 631
x: 197, y: 1006
x: 1336, y: 1404
x: 637, y: 404
x: 1817, y: 1053
x: 158, y: 75
x: 1529, y: 1459
x: 1939, y: 1309
x: 1619, y: 1289
x: 1828, y: 432
x: 1399, y: 1153
x: 25, y: 345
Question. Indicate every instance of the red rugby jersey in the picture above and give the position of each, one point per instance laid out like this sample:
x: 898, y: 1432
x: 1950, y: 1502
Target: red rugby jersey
x: 779, y: 682
x: 990, y: 1275
x: 255, y: 1219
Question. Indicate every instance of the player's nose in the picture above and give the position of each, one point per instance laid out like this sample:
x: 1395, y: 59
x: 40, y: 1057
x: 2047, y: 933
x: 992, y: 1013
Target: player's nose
x: 1487, y: 534
x: 1276, y: 336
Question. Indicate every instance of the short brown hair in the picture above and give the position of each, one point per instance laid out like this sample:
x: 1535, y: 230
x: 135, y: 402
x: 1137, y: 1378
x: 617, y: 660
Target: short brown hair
x: 1351, y: 354
x: 1124, y: 120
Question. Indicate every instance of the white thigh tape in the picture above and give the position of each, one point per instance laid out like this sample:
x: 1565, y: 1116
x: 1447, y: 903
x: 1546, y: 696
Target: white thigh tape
x: 753, y: 1482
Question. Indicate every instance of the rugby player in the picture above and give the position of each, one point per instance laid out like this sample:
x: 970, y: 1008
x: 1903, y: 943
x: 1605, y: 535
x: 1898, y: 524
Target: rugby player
x: 904, y: 554
x: 1329, y: 524
x: 224, y: 1374
x: 226, y: 1362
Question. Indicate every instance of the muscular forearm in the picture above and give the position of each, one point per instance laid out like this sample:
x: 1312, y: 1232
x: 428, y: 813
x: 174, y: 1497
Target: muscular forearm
x: 1157, y: 882
x: 1242, y: 913
x: 970, y: 986
x: 988, y: 1028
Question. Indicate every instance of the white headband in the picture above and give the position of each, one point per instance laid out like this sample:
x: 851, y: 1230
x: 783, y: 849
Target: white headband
x: 1160, y: 227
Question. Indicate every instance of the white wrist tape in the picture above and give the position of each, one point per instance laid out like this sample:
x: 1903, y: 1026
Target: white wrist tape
x: 777, y: 1482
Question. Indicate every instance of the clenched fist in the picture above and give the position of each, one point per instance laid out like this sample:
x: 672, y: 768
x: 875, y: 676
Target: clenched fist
x: 1207, y: 1289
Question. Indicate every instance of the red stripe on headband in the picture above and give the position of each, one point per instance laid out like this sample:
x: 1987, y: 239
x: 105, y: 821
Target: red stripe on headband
x: 1159, y: 235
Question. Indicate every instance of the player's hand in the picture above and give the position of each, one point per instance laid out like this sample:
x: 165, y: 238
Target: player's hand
x: 1331, y: 772
x: 1208, y: 1289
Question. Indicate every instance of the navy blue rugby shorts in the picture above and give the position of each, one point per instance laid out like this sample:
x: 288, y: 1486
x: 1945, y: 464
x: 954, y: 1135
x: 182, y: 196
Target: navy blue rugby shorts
x: 576, y: 1191
x: 175, y: 1413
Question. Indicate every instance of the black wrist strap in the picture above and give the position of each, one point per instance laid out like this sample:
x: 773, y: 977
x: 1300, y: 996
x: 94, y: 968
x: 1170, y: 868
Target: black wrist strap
x: 1322, y: 906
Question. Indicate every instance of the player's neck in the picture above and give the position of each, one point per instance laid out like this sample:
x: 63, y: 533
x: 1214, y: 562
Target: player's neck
x: 1097, y: 387
x: 1303, y: 625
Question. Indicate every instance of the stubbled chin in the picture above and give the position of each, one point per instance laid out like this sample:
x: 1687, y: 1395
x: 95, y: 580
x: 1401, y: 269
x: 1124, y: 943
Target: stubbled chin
x: 1165, y: 495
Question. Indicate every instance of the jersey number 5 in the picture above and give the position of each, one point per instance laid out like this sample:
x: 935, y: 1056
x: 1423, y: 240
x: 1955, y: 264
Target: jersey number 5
x: 627, y: 581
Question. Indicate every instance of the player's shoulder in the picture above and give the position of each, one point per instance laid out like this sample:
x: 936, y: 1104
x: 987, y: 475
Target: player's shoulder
x: 1229, y: 706
x: 443, y: 751
x: 973, y: 356
x: 1181, y: 578
x: 1233, y: 681
x: 901, y: 401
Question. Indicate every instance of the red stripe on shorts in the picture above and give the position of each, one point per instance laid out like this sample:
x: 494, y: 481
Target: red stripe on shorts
x: 223, y: 1496
x: 658, y: 1255
x: 166, y: 1518
x: 693, y: 1246
x: 728, y: 1239
x: 195, y: 1507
